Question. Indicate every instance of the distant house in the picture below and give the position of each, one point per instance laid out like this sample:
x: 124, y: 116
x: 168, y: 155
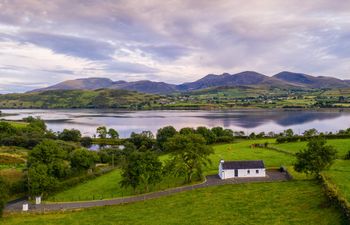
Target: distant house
x: 233, y: 169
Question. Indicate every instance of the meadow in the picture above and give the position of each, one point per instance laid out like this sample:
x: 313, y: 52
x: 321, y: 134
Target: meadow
x: 341, y: 145
x: 107, y: 186
x: 295, y: 202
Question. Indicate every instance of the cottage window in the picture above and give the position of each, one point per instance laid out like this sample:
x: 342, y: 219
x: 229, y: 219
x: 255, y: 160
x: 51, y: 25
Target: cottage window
x: 257, y: 171
x: 248, y: 171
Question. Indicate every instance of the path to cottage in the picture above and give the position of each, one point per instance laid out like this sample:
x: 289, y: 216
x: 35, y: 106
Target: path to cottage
x: 212, y: 180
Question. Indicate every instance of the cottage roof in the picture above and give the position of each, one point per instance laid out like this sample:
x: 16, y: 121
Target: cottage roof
x: 249, y: 164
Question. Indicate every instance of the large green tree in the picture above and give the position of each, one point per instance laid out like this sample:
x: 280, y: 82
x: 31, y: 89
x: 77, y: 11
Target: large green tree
x: 316, y: 157
x: 82, y: 159
x: 189, y: 154
x: 208, y: 135
x: 113, y: 134
x: 163, y: 134
x: 40, y: 181
x: 102, y: 132
x: 70, y: 135
x: 141, y: 168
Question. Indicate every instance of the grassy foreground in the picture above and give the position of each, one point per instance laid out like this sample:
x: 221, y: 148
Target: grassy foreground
x: 297, y: 202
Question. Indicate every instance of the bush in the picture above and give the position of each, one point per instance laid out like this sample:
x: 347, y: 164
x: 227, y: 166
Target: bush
x: 347, y: 156
x: 335, y: 198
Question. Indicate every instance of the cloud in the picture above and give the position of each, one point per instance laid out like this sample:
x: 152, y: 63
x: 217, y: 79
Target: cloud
x: 69, y: 45
x: 172, y: 41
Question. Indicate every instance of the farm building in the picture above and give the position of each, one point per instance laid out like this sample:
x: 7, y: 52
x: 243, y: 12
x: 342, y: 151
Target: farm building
x: 233, y: 169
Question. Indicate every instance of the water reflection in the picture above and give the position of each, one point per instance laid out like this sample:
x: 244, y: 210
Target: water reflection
x: 136, y: 121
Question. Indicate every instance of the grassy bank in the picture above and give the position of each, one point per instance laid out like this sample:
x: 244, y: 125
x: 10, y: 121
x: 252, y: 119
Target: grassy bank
x: 339, y: 174
x: 298, y: 202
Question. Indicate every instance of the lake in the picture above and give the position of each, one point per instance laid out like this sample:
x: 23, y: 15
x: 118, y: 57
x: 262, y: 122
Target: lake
x: 125, y: 122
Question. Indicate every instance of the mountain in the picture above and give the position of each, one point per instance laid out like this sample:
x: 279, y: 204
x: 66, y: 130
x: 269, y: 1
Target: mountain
x: 311, y: 81
x: 226, y: 79
x: 80, y: 84
x: 146, y: 86
x: 283, y: 80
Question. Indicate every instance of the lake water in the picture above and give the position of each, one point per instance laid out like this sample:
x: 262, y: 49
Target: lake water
x: 248, y: 121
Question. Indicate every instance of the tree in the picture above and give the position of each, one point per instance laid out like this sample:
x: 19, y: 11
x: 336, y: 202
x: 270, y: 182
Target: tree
x: 187, y: 130
x: 223, y: 135
x: 113, y: 134
x: 86, y: 142
x: 189, y: 154
x: 3, y: 195
x: 39, y: 180
x: 53, y: 156
x: 310, y: 133
x: 317, y: 157
x: 288, y: 133
x: 35, y: 122
x: 70, y: 135
x: 208, y: 135
x: 163, y: 134
x: 143, y: 141
x: 82, y: 159
x: 141, y: 168
x: 102, y: 132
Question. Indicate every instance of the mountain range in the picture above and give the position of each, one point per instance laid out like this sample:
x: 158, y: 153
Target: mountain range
x: 248, y: 78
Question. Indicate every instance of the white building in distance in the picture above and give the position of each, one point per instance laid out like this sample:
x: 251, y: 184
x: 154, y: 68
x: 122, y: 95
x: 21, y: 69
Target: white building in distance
x: 235, y: 169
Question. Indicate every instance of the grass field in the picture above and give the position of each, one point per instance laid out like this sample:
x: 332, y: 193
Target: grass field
x: 297, y: 202
x: 18, y: 124
x: 107, y: 186
x: 341, y: 145
x: 243, y: 151
x: 339, y: 174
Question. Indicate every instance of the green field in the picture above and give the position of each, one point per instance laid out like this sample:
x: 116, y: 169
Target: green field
x: 107, y: 186
x: 297, y: 202
x: 18, y: 124
x: 339, y: 174
x: 341, y: 145
x: 243, y: 151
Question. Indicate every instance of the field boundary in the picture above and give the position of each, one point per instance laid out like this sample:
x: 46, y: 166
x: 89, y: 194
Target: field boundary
x: 335, y: 197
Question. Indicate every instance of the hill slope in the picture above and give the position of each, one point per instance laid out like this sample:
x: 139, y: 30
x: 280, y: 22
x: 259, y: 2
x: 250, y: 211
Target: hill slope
x: 311, y: 81
x: 80, y: 84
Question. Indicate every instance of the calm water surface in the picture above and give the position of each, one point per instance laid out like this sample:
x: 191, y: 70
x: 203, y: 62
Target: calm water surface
x: 136, y: 121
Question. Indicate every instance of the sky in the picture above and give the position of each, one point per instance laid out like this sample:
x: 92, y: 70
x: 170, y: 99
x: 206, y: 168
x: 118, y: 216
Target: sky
x: 45, y: 42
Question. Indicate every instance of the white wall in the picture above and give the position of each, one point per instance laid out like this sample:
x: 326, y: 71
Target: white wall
x: 225, y: 174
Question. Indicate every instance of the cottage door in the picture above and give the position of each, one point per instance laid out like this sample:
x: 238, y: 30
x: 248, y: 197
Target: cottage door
x: 236, y: 173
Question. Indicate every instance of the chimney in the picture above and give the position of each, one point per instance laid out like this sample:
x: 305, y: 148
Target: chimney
x: 222, y: 161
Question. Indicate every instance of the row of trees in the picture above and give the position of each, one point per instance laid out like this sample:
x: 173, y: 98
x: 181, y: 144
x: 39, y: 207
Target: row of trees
x: 53, y: 161
x: 189, y: 153
x: 290, y: 136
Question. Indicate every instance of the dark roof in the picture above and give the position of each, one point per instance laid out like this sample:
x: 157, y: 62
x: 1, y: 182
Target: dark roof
x: 251, y: 164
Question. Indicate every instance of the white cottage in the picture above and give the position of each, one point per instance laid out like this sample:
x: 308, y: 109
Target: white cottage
x: 232, y: 169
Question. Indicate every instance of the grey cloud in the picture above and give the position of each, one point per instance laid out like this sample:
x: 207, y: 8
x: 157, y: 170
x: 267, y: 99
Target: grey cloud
x: 69, y: 45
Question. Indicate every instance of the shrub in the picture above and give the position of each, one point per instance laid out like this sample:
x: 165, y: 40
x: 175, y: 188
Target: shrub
x: 347, y: 156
